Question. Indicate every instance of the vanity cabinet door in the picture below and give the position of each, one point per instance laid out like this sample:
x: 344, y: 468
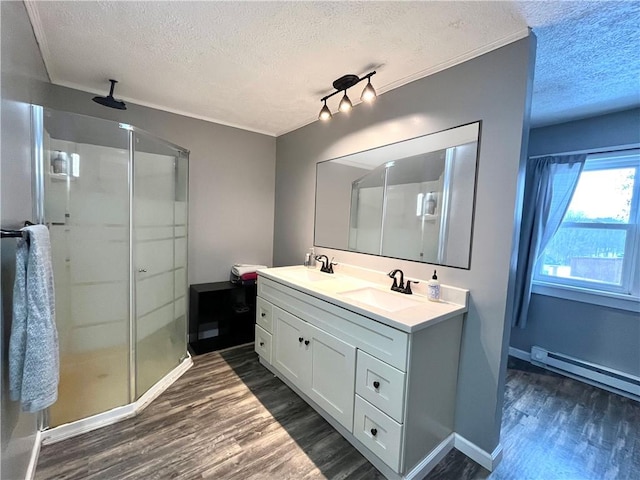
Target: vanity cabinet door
x: 332, y: 375
x: 290, y: 346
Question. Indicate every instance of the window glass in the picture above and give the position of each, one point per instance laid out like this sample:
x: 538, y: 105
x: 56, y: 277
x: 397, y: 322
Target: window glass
x: 592, y: 254
x: 596, y: 245
x: 602, y: 196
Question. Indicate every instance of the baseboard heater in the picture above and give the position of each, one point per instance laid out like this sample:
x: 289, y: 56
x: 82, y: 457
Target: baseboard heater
x: 620, y: 382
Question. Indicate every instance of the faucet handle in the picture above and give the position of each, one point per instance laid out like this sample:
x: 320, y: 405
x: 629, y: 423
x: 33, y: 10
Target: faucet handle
x: 407, y: 289
x: 331, y: 264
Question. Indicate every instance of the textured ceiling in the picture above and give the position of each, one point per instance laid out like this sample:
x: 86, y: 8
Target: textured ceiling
x: 263, y: 66
x: 588, y: 58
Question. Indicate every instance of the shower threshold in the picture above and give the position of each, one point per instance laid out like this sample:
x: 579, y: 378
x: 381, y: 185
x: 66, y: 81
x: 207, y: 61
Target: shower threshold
x: 78, y: 427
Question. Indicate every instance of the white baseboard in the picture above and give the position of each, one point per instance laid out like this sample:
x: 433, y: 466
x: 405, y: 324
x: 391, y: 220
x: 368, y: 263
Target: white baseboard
x: 33, y: 460
x: 68, y: 430
x: 430, y: 461
x: 521, y: 354
x: 610, y: 384
x: 117, y: 414
x: 488, y: 460
x: 164, y: 383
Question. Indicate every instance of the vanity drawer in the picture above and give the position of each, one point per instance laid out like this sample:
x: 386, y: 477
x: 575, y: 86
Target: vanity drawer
x: 263, y: 343
x: 381, y: 384
x: 378, y: 432
x: 264, y: 314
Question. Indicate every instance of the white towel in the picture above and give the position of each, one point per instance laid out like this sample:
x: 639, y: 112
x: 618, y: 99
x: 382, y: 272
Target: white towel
x: 34, y: 365
x: 240, y: 269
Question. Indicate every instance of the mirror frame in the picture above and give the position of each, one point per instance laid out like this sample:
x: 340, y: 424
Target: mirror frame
x: 473, y: 206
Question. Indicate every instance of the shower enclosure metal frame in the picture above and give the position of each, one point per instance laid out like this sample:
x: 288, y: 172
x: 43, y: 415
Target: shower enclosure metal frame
x: 132, y: 259
x: 38, y: 175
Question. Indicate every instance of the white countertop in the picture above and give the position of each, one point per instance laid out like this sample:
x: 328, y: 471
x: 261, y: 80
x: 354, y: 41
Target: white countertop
x: 409, y: 313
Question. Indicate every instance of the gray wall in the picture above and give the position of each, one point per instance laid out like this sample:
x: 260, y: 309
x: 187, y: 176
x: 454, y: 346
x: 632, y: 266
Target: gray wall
x: 494, y: 88
x: 23, y: 74
x: 231, y: 181
x: 594, y: 333
x: 333, y: 195
x: 620, y: 128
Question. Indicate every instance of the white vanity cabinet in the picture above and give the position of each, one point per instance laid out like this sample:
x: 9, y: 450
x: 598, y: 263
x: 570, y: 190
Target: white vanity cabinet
x: 318, y: 363
x: 391, y: 393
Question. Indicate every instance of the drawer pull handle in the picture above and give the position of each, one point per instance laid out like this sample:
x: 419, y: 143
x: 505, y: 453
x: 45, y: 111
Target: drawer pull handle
x: 300, y: 339
x: 376, y: 385
x: 306, y: 342
x: 263, y: 314
x: 262, y: 344
x: 374, y: 431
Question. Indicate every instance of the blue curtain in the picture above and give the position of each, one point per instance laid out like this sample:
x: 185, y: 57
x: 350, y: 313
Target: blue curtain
x: 549, y: 185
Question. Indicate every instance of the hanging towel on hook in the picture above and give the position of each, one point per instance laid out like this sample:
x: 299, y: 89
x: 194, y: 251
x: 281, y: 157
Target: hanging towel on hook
x: 34, y: 365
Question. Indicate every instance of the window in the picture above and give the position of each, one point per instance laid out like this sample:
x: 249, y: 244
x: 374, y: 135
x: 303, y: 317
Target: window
x: 597, y: 245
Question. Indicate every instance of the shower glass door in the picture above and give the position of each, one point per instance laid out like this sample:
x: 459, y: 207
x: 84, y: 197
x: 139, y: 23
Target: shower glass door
x: 84, y: 174
x: 160, y: 258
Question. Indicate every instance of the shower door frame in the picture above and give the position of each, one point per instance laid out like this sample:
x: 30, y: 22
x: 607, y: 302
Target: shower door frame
x: 38, y: 185
x: 132, y: 255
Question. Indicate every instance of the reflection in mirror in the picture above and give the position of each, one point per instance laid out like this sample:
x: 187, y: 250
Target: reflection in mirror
x: 411, y: 200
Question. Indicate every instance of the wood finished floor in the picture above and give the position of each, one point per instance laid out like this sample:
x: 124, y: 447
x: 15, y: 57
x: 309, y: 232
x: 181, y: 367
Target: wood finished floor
x: 229, y: 418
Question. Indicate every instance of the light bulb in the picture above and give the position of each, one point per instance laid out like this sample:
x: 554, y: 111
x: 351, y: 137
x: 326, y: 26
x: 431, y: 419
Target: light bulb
x: 369, y: 93
x: 325, y: 113
x: 345, y: 103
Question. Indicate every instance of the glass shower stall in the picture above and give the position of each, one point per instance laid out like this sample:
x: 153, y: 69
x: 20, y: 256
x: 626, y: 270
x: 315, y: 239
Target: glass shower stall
x: 115, y: 200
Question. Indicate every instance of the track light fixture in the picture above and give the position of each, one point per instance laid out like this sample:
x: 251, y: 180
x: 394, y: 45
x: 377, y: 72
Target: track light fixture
x: 345, y: 103
x: 325, y: 113
x: 342, y: 84
x: 369, y: 93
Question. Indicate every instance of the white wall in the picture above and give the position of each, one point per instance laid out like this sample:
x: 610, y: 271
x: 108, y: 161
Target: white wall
x: 494, y: 88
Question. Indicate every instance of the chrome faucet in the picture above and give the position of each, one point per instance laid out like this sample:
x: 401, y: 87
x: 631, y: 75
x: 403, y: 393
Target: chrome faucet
x: 327, y: 266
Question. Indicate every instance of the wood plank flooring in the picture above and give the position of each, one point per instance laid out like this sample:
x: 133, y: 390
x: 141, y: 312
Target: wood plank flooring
x: 229, y: 418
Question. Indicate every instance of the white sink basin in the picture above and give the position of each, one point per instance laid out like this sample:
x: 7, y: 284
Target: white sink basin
x: 308, y: 275
x: 388, y: 301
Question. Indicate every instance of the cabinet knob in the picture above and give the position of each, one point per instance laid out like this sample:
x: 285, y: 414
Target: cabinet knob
x: 376, y: 385
x: 263, y: 314
x: 262, y: 344
x: 306, y: 342
x: 300, y: 339
x: 374, y: 431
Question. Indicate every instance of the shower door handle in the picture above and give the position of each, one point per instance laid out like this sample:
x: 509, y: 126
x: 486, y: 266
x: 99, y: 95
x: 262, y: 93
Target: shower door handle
x: 142, y: 270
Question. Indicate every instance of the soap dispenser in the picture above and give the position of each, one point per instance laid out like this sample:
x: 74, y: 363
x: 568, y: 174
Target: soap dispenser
x: 433, y: 288
x: 310, y: 259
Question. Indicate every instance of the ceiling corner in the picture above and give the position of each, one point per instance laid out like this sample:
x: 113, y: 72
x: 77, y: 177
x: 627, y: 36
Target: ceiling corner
x: 41, y: 39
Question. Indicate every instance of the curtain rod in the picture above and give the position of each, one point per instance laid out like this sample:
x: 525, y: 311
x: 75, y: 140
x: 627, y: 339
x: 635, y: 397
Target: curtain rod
x: 620, y: 148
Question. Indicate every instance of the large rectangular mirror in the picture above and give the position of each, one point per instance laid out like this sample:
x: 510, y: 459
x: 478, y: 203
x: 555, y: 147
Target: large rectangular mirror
x: 411, y: 200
